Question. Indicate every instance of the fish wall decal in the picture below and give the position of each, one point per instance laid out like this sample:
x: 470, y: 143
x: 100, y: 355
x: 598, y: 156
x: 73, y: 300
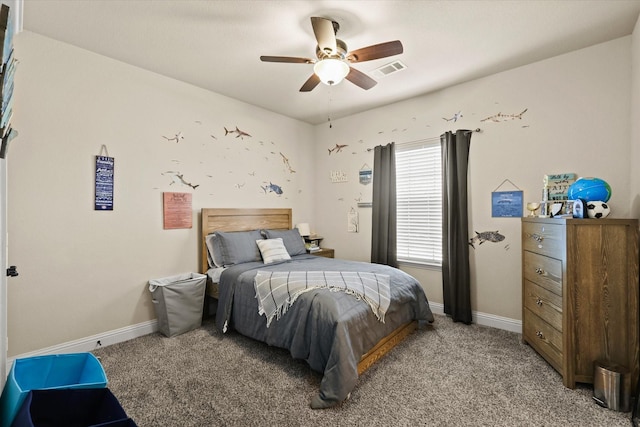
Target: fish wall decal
x: 178, y: 178
x: 338, y: 148
x: 272, y: 188
x: 285, y: 160
x: 178, y: 136
x: 239, y: 133
x: 486, y: 236
x: 497, y: 118
x: 455, y: 117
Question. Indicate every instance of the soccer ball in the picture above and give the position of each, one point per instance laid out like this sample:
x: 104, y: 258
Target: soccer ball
x: 597, y: 209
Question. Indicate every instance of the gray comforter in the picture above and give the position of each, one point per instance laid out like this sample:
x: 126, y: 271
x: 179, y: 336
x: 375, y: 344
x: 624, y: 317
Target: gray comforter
x: 330, y: 330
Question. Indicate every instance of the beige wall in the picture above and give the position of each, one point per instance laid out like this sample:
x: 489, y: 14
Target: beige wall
x: 84, y: 272
x: 577, y: 120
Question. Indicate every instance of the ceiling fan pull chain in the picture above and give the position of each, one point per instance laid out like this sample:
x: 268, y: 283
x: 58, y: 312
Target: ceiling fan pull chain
x: 329, y: 110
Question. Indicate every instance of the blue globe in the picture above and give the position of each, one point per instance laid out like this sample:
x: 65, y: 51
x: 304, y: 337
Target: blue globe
x: 589, y: 189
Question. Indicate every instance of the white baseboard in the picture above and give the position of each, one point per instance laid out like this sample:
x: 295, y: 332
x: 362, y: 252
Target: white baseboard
x: 134, y: 331
x: 485, y: 319
x: 91, y: 343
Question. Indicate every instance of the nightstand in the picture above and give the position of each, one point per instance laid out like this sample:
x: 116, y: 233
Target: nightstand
x: 325, y: 252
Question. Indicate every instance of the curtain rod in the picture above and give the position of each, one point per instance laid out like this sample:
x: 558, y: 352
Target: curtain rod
x: 433, y: 138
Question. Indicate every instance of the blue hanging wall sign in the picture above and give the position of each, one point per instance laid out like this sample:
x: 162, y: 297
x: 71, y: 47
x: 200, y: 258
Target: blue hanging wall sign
x: 506, y: 204
x: 104, y: 181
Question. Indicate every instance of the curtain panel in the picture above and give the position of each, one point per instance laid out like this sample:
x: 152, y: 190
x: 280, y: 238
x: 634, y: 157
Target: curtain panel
x: 456, y: 285
x: 383, y: 232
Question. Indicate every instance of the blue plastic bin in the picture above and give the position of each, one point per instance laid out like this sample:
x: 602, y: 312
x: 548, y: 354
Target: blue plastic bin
x: 65, y: 371
x: 78, y: 407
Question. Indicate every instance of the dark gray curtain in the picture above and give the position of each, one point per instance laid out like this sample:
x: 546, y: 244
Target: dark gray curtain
x: 383, y: 231
x: 455, y: 228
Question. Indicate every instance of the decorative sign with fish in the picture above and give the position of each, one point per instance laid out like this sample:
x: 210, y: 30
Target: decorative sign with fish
x: 485, y: 236
x: 506, y: 204
x: 366, y: 174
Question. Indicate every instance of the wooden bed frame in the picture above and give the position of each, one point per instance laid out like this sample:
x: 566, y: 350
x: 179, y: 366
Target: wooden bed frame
x: 230, y: 219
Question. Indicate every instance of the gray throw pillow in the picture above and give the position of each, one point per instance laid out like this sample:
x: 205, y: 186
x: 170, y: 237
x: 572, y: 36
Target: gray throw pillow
x: 214, y: 251
x: 292, y: 240
x: 239, y: 246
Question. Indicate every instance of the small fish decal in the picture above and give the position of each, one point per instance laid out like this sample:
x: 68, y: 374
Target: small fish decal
x: 497, y: 118
x: 178, y: 178
x: 338, y: 148
x: 176, y: 138
x: 486, y: 236
x: 455, y: 117
x: 285, y: 160
x: 272, y: 188
x: 239, y: 133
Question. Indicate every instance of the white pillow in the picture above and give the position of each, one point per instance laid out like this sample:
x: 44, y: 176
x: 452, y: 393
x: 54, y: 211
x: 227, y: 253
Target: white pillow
x: 273, y: 250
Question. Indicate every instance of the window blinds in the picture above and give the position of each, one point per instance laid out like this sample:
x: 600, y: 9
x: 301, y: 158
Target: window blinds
x: 419, y: 202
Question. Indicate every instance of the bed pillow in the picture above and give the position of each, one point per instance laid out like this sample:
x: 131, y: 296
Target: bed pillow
x: 292, y: 240
x: 214, y: 250
x: 273, y: 250
x: 238, y: 247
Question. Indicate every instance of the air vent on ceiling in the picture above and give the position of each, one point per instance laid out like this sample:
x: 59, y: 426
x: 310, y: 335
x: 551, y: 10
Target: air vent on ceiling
x: 388, y: 69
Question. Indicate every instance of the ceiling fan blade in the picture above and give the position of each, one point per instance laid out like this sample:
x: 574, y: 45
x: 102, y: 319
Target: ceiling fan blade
x: 377, y: 51
x: 359, y: 78
x: 325, y: 34
x: 310, y: 84
x: 288, y: 59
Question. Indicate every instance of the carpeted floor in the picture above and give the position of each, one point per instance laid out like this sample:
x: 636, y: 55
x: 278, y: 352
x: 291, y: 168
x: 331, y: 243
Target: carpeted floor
x: 449, y: 375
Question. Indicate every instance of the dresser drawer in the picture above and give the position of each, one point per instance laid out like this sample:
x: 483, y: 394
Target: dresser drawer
x: 544, y: 338
x: 544, y: 304
x: 544, y: 271
x: 543, y: 238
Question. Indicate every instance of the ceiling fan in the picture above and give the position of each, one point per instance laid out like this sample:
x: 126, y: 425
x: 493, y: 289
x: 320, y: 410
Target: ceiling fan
x: 332, y: 65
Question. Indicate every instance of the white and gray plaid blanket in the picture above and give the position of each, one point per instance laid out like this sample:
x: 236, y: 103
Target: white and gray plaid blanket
x: 276, y: 291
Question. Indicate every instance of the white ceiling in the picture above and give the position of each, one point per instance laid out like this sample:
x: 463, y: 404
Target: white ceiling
x: 216, y: 44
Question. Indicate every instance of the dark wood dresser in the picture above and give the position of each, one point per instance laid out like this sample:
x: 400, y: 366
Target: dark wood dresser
x: 580, y: 293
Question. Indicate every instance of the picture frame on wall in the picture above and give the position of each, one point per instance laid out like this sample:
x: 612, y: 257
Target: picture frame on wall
x: 506, y: 204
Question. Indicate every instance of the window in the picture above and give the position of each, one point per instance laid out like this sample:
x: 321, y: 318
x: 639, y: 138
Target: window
x: 419, y: 202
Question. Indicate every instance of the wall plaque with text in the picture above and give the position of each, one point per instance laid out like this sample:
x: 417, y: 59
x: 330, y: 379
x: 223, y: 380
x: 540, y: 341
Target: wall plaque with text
x: 177, y: 210
x: 104, y: 183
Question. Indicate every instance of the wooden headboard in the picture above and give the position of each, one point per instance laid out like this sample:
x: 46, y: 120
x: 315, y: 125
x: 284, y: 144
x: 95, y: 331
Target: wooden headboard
x: 225, y: 219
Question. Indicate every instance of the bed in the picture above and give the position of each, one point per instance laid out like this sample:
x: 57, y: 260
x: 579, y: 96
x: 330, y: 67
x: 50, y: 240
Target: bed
x: 338, y: 333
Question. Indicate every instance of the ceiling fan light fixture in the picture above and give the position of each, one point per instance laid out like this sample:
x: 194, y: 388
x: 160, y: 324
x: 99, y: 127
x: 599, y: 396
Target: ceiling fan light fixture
x: 331, y: 71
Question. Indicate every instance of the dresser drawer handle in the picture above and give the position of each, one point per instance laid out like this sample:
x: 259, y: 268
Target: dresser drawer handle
x: 540, y: 271
x: 538, y: 302
x: 537, y: 237
x: 539, y: 335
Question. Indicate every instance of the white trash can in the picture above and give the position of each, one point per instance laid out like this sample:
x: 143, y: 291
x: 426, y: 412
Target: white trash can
x: 179, y: 301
